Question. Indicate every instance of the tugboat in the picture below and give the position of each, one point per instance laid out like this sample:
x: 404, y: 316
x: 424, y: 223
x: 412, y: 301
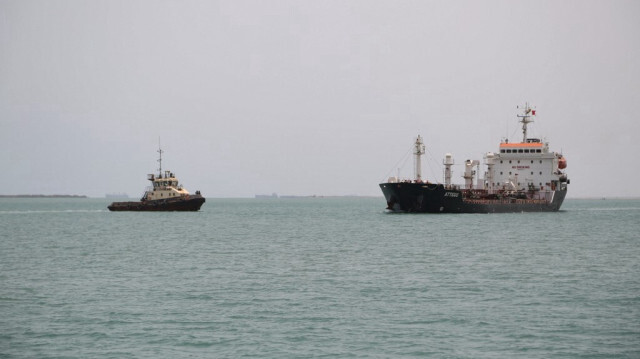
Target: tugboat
x: 166, y: 194
x: 522, y: 177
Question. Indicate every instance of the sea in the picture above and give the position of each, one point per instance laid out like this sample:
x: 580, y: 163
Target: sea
x: 317, y: 277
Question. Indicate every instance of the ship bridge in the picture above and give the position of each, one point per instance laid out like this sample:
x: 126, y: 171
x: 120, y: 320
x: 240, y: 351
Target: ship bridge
x: 533, y: 145
x: 164, y: 186
x: 527, y: 165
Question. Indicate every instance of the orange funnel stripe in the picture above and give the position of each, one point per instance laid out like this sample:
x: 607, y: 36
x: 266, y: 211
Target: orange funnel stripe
x: 519, y: 145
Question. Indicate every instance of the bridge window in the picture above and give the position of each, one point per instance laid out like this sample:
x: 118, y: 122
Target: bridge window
x: 538, y: 151
x: 526, y: 151
x: 520, y: 151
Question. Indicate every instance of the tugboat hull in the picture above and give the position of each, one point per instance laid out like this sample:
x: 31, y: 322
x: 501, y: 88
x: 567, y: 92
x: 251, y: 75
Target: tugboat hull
x: 434, y: 198
x: 192, y: 203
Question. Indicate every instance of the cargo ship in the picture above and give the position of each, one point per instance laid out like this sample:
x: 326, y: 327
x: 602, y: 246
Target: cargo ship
x: 521, y: 176
x: 165, y: 194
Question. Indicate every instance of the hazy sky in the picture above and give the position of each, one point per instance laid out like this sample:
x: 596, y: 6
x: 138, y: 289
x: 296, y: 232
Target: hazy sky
x: 309, y: 97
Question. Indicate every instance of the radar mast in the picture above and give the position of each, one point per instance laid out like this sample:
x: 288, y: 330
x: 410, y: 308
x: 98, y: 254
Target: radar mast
x: 160, y: 151
x: 526, y: 119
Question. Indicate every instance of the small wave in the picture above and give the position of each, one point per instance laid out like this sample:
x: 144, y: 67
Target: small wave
x: 196, y: 344
x: 606, y: 209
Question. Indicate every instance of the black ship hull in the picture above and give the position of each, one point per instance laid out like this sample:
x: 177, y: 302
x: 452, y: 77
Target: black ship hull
x: 435, y: 198
x: 190, y: 203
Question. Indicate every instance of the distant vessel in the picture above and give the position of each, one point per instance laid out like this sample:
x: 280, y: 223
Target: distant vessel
x: 262, y: 196
x: 523, y: 177
x: 116, y: 195
x: 166, y: 194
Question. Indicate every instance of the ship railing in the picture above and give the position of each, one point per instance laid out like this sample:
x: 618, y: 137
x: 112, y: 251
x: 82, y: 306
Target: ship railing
x: 482, y: 194
x: 505, y: 201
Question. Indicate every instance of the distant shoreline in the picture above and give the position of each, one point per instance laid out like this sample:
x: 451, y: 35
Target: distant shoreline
x: 42, y: 196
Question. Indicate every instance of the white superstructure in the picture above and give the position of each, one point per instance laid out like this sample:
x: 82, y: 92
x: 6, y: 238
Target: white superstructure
x: 518, y: 166
x: 164, y: 185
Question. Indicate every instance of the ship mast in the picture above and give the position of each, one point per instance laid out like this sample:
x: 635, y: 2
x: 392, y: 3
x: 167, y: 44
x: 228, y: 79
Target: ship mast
x: 160, y: 151
x: 418, y: 151
x: 448, y: 162
x: 526, y: 119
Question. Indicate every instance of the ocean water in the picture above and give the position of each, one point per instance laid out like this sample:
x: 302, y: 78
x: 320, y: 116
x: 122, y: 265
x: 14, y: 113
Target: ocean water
x: 317, y: 277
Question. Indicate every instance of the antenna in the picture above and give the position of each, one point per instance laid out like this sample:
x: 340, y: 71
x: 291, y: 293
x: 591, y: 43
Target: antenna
x: 507, y: 137
x: 526, y: 119
x: 160, y: 159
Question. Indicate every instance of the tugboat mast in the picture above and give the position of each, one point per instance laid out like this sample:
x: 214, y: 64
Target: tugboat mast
x: 160, y: 151
x: 418, y: 151
x: 526, y: 119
